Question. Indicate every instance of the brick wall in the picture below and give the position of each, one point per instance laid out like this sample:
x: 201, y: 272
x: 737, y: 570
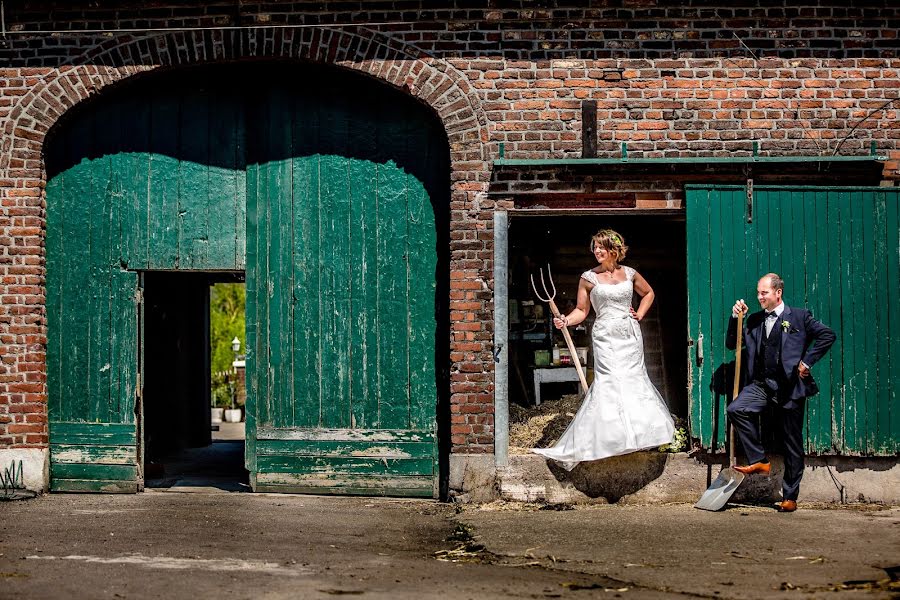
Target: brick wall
x: 697, y: 79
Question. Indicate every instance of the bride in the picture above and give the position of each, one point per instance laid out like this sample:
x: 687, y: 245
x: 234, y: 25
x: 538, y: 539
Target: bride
x: 622, y: 411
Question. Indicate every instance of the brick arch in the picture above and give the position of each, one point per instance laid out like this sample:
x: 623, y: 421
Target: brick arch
x: 435, y: 82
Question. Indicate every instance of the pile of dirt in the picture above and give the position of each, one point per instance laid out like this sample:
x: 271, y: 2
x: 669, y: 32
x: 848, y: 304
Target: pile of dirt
x: 540, y: 426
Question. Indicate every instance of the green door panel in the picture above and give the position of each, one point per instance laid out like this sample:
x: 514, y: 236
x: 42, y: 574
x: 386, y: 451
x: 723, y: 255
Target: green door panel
x: 837, y: 250
x: 138, y: 180
x: 344, y: 200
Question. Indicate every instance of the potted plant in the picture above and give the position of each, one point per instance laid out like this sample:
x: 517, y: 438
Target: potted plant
x: 220, y: 397
x: 233, y: 413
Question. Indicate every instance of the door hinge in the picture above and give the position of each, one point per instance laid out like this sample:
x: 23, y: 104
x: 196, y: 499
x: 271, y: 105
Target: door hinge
x: 139, y: 296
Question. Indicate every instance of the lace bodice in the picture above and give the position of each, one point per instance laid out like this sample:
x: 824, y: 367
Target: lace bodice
x: 611, y: 300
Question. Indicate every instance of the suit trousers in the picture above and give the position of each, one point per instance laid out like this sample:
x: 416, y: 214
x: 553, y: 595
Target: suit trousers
x: 744, y: 414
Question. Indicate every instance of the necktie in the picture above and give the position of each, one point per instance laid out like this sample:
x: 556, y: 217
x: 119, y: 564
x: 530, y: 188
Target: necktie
x: 770, y: 322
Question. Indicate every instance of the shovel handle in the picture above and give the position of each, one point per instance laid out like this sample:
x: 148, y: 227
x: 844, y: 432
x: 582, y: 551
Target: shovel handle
x: 737, y: 385
x: 571, y: 345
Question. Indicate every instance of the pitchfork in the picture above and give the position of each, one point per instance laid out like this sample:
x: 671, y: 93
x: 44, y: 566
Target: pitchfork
x: 565, y: 330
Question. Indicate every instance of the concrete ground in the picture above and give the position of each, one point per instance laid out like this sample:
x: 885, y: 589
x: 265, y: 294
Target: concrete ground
x: 742, y: 552
x: 162, y: 544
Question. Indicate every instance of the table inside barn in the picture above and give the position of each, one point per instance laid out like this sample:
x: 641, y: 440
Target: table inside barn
x: 551, y: 375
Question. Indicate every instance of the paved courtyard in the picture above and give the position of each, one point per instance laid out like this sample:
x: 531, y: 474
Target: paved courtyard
x: 210, y: 544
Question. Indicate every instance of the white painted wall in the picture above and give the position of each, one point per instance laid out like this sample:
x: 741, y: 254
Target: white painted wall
x: 35, y: 466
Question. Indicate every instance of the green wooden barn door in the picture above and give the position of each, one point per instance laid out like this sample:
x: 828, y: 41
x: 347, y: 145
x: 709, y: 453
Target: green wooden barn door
x: 92, y: 330
x: 148, y: 177
x: 341, y: 283
x: 837, y: 250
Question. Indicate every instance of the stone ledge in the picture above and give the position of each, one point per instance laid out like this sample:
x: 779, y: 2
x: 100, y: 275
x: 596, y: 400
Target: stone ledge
x: 658, y: 478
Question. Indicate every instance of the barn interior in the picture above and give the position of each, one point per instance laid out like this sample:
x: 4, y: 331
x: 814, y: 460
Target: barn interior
x: 656, y: 249
x: 181, y: 445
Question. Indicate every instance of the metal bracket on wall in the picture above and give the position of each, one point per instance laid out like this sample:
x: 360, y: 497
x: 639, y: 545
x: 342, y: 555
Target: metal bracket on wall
x: 749, y: 200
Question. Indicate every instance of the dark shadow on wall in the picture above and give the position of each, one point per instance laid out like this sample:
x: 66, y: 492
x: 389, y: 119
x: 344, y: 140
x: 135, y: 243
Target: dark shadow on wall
x: 199, y: 114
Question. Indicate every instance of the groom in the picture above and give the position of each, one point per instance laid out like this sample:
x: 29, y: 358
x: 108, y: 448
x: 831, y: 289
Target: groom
x: 782, y: 343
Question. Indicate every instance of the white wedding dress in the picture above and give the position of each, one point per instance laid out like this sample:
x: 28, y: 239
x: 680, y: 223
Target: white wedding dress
x: 622, y: 411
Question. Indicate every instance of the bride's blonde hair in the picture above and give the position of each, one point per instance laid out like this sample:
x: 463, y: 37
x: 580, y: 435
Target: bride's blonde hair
x: 612, y: 241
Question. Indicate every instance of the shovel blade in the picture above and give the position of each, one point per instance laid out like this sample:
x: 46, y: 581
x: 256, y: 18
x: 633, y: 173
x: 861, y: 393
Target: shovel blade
x: 721, y: 490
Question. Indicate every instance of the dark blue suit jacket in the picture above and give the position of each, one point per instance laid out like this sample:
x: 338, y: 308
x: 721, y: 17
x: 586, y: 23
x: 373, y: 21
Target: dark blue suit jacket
x: 803, y: 338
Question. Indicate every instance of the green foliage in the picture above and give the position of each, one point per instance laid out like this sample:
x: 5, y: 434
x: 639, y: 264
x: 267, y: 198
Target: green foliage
x: 226, y: 322
x: 222, y: 389
x: 679, y: 442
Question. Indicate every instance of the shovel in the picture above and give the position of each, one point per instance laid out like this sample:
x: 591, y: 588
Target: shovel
x: 728, y: 480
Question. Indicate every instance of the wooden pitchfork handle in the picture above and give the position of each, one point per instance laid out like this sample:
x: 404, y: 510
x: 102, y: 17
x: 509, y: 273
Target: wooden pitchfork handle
x: 732, y: 459
x: 571, y: 345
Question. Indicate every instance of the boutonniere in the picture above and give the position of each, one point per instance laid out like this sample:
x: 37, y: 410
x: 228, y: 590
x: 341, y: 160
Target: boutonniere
x: 785, y: 325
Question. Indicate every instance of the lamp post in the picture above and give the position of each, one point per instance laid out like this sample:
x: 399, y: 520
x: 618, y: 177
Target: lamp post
x: 235, y: 347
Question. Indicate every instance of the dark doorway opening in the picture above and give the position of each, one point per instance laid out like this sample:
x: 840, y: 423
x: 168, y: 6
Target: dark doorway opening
x: 183, y: 449
x: 656, y: 249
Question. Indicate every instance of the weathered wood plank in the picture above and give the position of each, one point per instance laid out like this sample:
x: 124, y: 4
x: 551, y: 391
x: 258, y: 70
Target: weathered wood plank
x: 818, y: 408
x: 836, y: 354
x: 361, y: 435
x: 193, y: 180
x: 93, y: 471
x: 255, y: 282
x: 306, y: 281
x: 107, y: 190
x: 405, y: 492
x: 421, y: 277
x: 223, y: 183
x: 851, y: 245
x: 882, y: 441
x: 133, y: 166
x: 344, y: 464
x: 393, y: 367
x: 94, y: 454
x: 720, y: 213
x: 113, y: 434
x: 696, y: 208
x: 828, y: 311
x: 362, y: 280
x: 93, y: 486
x: 163, y: 217
x: 240, y: 170
x: 279, y: 190
x: 890, y: 403
x: 76, y: 345
x: 345, y: 484
x: 340, y: 448
x: 335, y: 318
x: 125, y: 345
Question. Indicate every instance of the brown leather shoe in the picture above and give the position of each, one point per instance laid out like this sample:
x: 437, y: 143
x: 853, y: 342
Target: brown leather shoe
x: 787, y: 506
x: 761, y: 468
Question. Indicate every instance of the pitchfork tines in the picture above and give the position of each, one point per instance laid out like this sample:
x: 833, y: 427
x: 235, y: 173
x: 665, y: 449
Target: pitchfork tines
x: 548, y: 296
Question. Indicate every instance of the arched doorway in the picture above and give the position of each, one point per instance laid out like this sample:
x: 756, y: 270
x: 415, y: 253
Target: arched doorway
x: 331, y: 190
